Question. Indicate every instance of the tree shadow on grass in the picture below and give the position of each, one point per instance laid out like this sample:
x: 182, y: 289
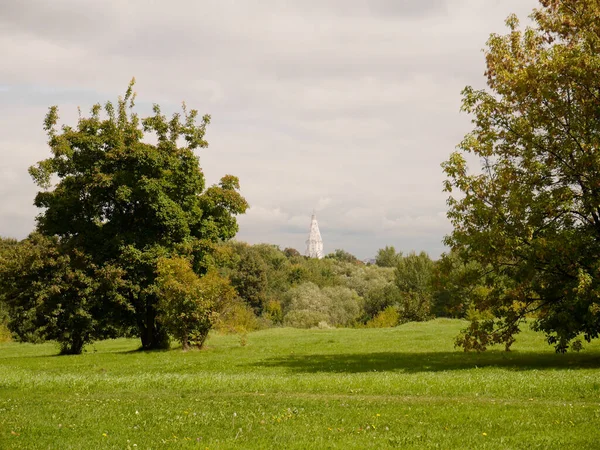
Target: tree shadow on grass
x: 431, y: 362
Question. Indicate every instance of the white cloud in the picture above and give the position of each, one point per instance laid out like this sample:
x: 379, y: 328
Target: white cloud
x: 344, y: 107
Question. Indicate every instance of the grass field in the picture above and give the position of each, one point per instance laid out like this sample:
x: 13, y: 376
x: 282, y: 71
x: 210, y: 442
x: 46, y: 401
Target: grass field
x: 343, y: 388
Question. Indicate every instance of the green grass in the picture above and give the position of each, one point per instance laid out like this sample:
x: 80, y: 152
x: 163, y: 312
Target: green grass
x: 347, y: 388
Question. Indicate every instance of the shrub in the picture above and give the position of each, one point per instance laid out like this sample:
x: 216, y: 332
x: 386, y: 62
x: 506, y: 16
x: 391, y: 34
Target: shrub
x: 387, y: 318
x: 273, y: 311
x: 5, y: 334
x: 239, y: 318
x: 307, y: 296
x: 344, y: 305
x: 189, y: 305
x: 304, y: 318
x: 414, y: 306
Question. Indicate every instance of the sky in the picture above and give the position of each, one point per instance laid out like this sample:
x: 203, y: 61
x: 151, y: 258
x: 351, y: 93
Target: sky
x: 345, y: 107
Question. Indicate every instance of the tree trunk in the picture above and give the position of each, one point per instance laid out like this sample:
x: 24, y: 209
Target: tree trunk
x: 72, y: 347
x: 185, y: 344
x: 201, y: 339
x: 152, y: 334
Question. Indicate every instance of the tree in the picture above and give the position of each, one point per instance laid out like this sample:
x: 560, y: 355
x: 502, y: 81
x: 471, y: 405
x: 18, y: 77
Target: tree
x: 58, y: 294
x: 533, y: 211
x: 124, y: 202
x: 305, y: 306
x: 343, y: 255
x: 291, y: 253
x: 387, y: 257
x: 459, y: 286
x: 189, y: 305
x: 250, y: 279
x: 413, y: 281
x: 6, y: 244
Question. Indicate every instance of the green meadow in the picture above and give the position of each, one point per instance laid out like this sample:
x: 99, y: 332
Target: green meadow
x: 404, y: 387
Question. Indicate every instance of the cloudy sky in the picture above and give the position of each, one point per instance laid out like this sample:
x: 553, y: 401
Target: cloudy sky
x: 343, y: 106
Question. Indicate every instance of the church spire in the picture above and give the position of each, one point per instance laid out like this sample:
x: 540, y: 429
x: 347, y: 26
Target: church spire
x: 314, y: 244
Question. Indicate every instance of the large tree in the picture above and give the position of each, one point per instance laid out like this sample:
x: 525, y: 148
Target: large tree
x: 112, y: 195
x: 532, y: 213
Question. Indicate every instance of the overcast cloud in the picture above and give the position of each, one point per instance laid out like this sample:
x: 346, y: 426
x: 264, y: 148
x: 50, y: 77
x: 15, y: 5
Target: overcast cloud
x: 343, y: 106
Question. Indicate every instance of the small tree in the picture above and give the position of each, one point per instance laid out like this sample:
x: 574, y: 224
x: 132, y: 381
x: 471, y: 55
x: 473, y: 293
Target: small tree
x: 189, y: 305
x: 413, y: 281
x: 55, y: 293
x: 250, y: 279
x: 343, y: 255
x: 387, y: 257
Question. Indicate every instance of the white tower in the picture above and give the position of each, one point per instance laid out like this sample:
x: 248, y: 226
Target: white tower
x: 314, y: 245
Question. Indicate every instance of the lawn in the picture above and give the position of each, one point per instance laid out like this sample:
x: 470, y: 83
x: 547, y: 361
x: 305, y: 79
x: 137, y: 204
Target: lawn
x: 286, y: 388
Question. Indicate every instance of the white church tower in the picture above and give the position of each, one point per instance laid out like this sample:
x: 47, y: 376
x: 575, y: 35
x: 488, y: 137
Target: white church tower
x: 314, y: 245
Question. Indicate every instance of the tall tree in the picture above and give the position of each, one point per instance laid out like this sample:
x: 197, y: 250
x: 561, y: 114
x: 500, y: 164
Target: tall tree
x: 533, y: 211
x: 125, y: 202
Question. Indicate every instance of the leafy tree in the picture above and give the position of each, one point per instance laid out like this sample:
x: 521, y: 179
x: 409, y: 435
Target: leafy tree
x: 250, y: 279
x: 190, y: 305
x: 124, y: 202
x: 458, y: 286
x: 344, y: 305
x: 387, y: 257
x: 57, y: 294
x: 6, y: 244
x: 533, y: 211
x: 413, y: 281
x: 343, y: 255
x: 305, y: 306
x: 291, y: 253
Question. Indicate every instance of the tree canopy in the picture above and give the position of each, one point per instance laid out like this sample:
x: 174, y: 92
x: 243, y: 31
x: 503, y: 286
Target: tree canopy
x: 532, y: 213
x: 116, y: 199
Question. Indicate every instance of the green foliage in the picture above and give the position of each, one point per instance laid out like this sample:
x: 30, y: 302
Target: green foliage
x: 387, y: 257
x: 274, y: 311
x: 126, y: 203
x: 532, y: 213
x: 388, y: 317
x: 344, y: 305
x: 5, y: 334
x: 413, y: 281
x: 459, y: 286
x: 291, y: 253
x: 189, y: 305
x: 250, y: 279
x: 304, y: 318
x: 344, y: 256
x: 56, y: 293
x: 238, y: 318
x: 306, y: 305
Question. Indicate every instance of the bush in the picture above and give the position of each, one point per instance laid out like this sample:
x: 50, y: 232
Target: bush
x: 190, y: 305
x: 307, y: 305
x: 5, y: 334
x: 239, y: 318
x: 387, y: 318
x: 307, y: 296
x: 304, y: 318
x: 414, y: 306
x: 273, y: 311
x: 344, y: 305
